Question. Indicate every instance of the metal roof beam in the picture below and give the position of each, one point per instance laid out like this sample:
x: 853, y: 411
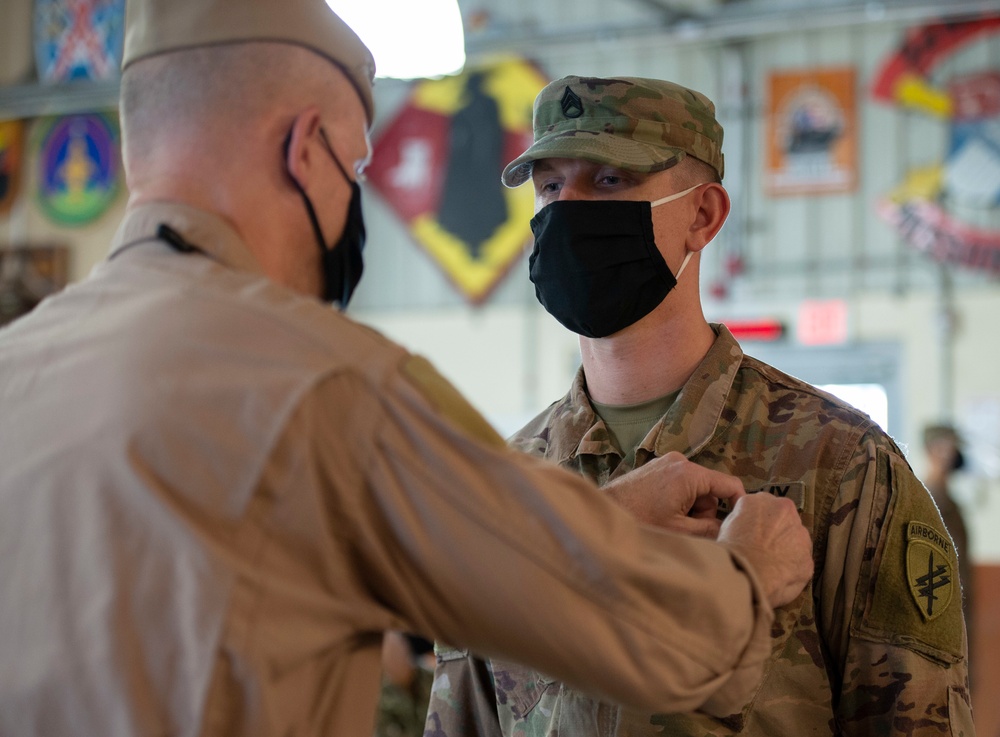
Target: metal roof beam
x: 737, y: 22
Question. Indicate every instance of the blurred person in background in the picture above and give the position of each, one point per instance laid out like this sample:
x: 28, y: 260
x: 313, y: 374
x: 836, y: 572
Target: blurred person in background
x: 943, y: 447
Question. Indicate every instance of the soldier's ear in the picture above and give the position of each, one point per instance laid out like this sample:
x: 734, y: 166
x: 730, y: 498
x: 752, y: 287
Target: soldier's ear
x: 713, y: 205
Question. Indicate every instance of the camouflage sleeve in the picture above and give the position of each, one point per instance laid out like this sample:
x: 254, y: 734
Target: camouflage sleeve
x: 892, y: 603
x: 401, y: 710
x: 463, y: 702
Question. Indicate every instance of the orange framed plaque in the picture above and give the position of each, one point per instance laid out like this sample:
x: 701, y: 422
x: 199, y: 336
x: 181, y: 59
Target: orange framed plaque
x: 811, y: 132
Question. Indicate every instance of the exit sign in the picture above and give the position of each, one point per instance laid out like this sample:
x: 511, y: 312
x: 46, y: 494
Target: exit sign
x: 822, y: 322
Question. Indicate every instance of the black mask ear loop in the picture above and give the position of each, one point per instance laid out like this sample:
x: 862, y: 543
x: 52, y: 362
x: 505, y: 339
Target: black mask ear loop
x: 353, y: 233
x: 333, y: 155
x: 317, y: 230
x: 342, y: 264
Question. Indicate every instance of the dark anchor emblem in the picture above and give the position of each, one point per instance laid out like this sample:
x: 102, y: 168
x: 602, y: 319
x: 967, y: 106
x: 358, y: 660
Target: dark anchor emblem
x: 572, y: 105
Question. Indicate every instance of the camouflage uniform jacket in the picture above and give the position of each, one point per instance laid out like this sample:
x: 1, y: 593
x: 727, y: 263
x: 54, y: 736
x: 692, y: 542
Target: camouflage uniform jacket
x: 875, y: 645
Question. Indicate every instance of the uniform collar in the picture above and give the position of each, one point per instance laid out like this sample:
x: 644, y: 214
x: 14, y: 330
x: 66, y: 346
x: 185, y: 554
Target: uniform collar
x: 212, y: 235
x: 691, y: 421
x: 688, y: 425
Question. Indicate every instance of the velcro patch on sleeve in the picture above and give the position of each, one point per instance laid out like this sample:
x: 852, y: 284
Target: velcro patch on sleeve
x: 446, y: 399
x: 909, y: 593
x: 931, y: 569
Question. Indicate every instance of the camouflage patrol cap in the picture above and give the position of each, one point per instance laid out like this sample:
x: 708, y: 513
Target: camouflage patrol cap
x: 157, y: 26
x: 643, y: 125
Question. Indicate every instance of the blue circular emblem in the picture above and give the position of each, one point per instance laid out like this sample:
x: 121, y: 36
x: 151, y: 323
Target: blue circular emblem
x: 78, y: 39
x: 78, y: 167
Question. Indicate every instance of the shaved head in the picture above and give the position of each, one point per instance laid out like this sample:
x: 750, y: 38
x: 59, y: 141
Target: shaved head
x: 239, y: 130
x: 224, y: 97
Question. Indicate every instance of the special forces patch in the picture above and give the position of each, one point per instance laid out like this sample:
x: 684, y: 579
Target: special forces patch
x: 930, y: 569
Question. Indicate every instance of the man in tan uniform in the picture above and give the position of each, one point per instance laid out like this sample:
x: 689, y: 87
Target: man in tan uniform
x: 627, y: 178
x: 218, y: 492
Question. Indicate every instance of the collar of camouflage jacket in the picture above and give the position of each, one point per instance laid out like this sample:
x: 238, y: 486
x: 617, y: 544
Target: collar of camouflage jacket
x: 688, y: 425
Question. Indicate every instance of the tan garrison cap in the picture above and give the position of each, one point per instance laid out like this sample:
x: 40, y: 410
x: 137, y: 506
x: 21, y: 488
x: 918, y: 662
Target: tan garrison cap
x: 158, y: 26
x: 637, y: 124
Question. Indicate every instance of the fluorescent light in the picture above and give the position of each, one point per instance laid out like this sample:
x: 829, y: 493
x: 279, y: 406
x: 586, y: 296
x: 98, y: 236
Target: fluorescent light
x: 408, y: 39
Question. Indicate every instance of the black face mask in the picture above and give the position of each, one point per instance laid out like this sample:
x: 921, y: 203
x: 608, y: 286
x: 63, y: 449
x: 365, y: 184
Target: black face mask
x: 959, y: 461
x: 342, y: 263
x: 595, y: 264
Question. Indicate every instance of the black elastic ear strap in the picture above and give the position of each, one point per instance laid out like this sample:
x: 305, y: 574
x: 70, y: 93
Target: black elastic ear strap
x: 317, y: 230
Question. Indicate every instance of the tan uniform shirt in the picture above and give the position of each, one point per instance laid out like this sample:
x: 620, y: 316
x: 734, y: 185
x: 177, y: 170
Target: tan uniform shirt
x: 218, y: 494
x: 874, y: 646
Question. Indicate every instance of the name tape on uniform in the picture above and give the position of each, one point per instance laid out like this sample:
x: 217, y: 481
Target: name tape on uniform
x: 794, y: 490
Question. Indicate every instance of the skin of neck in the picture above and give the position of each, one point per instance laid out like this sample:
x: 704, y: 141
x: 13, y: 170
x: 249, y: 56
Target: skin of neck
x: 656, y: 355
x: 265, y: 214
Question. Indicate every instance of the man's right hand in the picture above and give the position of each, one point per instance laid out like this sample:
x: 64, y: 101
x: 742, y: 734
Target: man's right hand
x: 767, y: 532
x: 675, y: 494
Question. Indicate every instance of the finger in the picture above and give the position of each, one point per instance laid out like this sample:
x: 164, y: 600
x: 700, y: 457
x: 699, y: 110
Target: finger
x: 674, y: 456
x: 785, y: 595
x: 706, y: 507
x: 706, y: 481
x: 698, y: 527
x: 721, y: 485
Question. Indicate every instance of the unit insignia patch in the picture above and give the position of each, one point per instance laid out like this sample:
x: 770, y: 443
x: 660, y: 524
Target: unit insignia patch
x: 930, y: 569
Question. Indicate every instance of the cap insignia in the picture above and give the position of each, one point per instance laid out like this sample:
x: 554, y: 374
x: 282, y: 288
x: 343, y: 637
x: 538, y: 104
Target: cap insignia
x: 572, y: 105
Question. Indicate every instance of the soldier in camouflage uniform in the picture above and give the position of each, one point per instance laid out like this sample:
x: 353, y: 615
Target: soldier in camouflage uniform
x: 406, y: 685
x: 876, y: 644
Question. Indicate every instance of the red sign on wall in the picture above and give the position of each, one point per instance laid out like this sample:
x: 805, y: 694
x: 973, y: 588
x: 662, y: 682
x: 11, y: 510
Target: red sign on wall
x: 438, y: 162
x: 822, y: 322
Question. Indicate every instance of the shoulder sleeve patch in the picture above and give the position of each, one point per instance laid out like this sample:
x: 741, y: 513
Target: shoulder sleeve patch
x: 931, y: 569
x: 448, y: 401
x: 911, y: 594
